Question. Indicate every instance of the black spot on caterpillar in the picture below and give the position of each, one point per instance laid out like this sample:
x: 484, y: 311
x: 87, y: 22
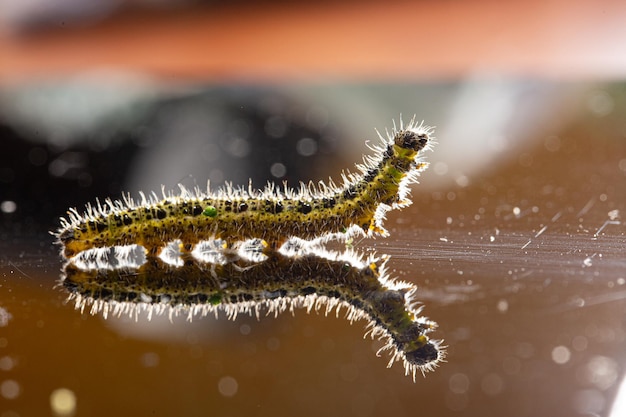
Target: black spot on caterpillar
x: 314, y: 211
x: 310, y: 278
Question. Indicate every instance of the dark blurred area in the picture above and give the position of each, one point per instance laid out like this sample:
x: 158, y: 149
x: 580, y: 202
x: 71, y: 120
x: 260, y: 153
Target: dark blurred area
x: 226, y: 134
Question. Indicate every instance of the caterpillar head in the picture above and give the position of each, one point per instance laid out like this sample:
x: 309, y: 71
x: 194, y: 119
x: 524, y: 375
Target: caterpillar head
x: 414, y: 140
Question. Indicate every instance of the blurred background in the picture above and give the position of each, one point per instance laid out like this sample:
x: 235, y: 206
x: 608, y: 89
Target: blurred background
x: 516, y: 237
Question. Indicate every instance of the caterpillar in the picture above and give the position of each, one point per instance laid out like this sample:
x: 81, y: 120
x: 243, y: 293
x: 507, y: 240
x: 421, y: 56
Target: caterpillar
x: 274, y: 214
x: 313, y: 279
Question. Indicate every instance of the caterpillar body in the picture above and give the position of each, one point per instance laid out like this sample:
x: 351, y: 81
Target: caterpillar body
x: 274, y: 215
x: 315, y: 280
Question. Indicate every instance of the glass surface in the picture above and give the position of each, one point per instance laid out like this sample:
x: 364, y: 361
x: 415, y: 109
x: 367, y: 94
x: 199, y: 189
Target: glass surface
x: 516, y: 239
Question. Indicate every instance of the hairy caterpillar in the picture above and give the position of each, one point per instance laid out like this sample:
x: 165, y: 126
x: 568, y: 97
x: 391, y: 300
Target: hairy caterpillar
x: 313, y: 279
x: 274, y: 215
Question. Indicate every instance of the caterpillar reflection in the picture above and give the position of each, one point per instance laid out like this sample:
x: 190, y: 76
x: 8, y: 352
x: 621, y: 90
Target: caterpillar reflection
x: 314, y: 280
x: 234, y: 214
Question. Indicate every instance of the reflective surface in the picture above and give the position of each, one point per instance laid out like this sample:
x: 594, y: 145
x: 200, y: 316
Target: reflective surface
x: 520, y: 258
